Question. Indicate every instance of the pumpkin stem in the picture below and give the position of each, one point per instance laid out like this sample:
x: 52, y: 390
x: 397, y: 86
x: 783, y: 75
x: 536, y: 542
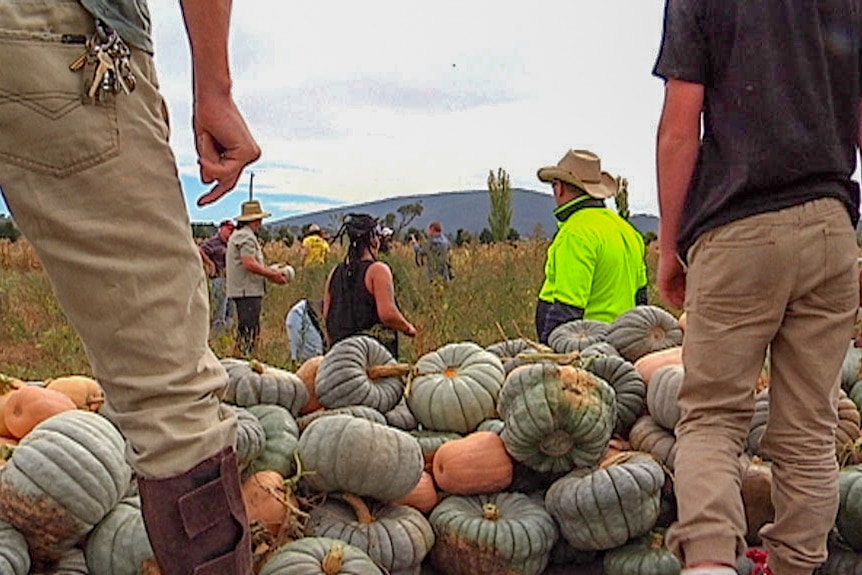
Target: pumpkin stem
x: 8, y: 383
x: 363, y: 514
x: 334, y: 560
x: 256, y: 366
x: 656, y: 541
x: 619, y: 458
x: 490, y: 511
x: 6, y: 451
x: 388, y: 370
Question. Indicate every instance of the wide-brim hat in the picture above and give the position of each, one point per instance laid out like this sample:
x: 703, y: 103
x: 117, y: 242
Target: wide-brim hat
x: 582, y: 169
x: 252, y: 211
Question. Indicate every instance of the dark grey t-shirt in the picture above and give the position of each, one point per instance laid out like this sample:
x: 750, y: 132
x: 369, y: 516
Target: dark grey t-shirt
x: 129, y: 18
x: 782, y: 83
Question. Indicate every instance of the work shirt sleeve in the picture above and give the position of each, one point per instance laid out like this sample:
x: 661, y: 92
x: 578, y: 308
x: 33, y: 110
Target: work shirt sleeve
x: 575, y: 263
x: 248, y: 247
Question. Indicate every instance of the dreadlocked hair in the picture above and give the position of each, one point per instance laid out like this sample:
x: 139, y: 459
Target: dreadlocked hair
x: 360, y: 229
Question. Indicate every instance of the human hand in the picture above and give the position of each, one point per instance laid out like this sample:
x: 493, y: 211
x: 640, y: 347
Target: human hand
x: 210, y: 269
x: 224, y: 144
x: 410, y: 331
x: 278, y: 277
x: 671, y: 280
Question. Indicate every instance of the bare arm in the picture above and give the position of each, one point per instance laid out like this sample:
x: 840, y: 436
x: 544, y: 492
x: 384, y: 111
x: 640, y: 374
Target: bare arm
x: 379, y: 282
x: 224, y: 144
x: 251, y: 264
x: 676, y: 155
x: 209, y: 265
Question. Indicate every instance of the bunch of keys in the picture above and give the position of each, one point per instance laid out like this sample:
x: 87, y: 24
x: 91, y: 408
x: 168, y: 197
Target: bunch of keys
x: 108, y: 55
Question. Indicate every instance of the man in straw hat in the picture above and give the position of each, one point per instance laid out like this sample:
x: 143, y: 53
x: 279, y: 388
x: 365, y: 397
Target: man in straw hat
x: 247, y: 274
x: 595, y: 268
x: 96, y: 150
x: 757, y: 146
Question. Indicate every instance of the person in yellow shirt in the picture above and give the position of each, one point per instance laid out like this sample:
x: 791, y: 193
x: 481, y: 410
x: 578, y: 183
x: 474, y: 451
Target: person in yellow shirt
x: 314, y: 246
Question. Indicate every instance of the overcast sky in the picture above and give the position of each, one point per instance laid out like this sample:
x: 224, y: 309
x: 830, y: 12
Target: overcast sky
x: 355, y: 101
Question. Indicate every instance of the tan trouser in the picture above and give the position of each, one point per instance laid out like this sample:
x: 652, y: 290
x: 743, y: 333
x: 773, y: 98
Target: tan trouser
x: 787, y: 278
x: 95, y: 189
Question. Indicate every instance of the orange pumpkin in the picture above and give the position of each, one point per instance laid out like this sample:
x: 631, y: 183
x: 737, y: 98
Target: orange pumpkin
x: 7, y: 386
x: 31, y: 405
x: 266, y: 499
x: 477, y: 463
x: 424, y: 496
x: 647, y: 365
x: 307, y: 372
x: 84, y: 391
x: 683, y: 319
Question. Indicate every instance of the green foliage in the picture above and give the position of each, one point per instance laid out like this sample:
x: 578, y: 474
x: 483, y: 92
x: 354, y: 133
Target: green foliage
x: 8, y: 230
x: 486, y: 237
x: 500, y: 216
x: 283, y: 234
x: 650, y: 237
x: 513, y: 235
x: 462, y: 237
x: 622, y: 197
x: 407, y: 213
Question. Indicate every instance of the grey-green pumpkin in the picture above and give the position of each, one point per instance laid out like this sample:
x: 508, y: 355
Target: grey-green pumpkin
x: 401, y: 417
x: 577, y: 335
x: 644, y: 329
x: 63, y: 478
x: 605, y: 507
x: 849, y: 519
x: 648, y: 436
x: 362, y: 411
x: 496, y: 533
x: 556, y: 417
x: 14, y: 553
x: 253, y: 383
x: 662, y: 392
x: 396, y: 537
x: 319, y: 556
x: 344, y: 453
x: 456, y: 387
x: 72, y: 562
x: 250, y: 437
x: 348, y: 375
x: 282, y: 438
x: 645, y: 555
x: 119, y: 545
x: 621, y: 375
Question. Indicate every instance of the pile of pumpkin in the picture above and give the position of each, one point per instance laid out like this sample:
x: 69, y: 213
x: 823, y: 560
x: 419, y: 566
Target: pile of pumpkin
x: 513, y: 459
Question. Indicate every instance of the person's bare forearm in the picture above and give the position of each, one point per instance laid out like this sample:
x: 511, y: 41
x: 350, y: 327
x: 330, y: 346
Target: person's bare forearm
x: 207, y: 25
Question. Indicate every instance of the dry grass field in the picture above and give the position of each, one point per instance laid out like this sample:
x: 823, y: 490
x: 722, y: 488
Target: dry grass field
x: 491, y: 298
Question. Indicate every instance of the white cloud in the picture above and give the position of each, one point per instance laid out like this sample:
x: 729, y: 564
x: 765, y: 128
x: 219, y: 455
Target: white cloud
x: 359, y: 101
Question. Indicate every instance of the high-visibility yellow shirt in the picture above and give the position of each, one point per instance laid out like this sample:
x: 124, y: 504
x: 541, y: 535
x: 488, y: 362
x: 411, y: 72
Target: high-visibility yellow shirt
x: 595, y: 262
x: 317, y: 248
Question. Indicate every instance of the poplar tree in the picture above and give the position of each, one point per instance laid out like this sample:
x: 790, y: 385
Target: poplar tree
x: 500, y: 216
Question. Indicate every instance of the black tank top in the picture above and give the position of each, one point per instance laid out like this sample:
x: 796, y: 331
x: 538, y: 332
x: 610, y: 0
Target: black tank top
x: 352, y: 309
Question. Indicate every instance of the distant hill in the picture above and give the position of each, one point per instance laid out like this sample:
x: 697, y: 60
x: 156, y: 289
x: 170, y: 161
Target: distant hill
x: 467, y: 210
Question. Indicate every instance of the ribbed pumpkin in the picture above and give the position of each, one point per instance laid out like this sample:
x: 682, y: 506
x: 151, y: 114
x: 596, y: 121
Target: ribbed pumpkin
x: 343, y: 453
x: 629, y: 387
x: 556, y: 417
x: 7, y: 386
x: 85, y: 392
x: 642, y: 330
x: 424, y: 496
x: 648, y: 436
x: 849, y: 519
x: 396, y: 537
x: 358, y: 370
x: 495, y: 425
x: 576, y: 335
x: 250, y: 437
x: 64, y: 477
x: 855, y: 394
x: 119, y: 544
x: 498, y: 533
x: 30, y: 405
x: 841, y: 561
x: 509, y: 349
x: 456, y: 387
x: 254, y: 383
x: 662, y: 392
x: 478, y: 463
x: 604, y: 508
x: 319, y: 556
x: 73, y: 562
x: 430, y: 442
x: 401, y: 417
x: 649, y: 363
x: 282, y: 438
x: 307, y: 373
x: 267, y: 500
x: 362, y: 411
x: 756, y: 496
x: 645, y: 555
x: 14, y: 554
x: 758, y: 423
x: 851, y: 369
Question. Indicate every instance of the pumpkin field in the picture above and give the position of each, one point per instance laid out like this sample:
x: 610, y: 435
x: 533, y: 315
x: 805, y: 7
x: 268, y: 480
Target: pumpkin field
x: 477, y: 452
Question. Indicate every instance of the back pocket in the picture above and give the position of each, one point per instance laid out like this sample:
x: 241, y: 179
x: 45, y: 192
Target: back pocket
x: 45, y: 126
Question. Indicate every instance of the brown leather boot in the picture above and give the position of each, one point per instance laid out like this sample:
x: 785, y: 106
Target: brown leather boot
x: 196, y: 521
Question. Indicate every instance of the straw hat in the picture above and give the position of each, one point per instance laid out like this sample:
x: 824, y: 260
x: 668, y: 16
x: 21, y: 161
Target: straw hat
x: 252, y: 211
x: 582, y: 169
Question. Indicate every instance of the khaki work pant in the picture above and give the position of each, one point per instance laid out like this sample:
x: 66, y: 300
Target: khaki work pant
x: 94, y: 188
x: 788, y: 278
